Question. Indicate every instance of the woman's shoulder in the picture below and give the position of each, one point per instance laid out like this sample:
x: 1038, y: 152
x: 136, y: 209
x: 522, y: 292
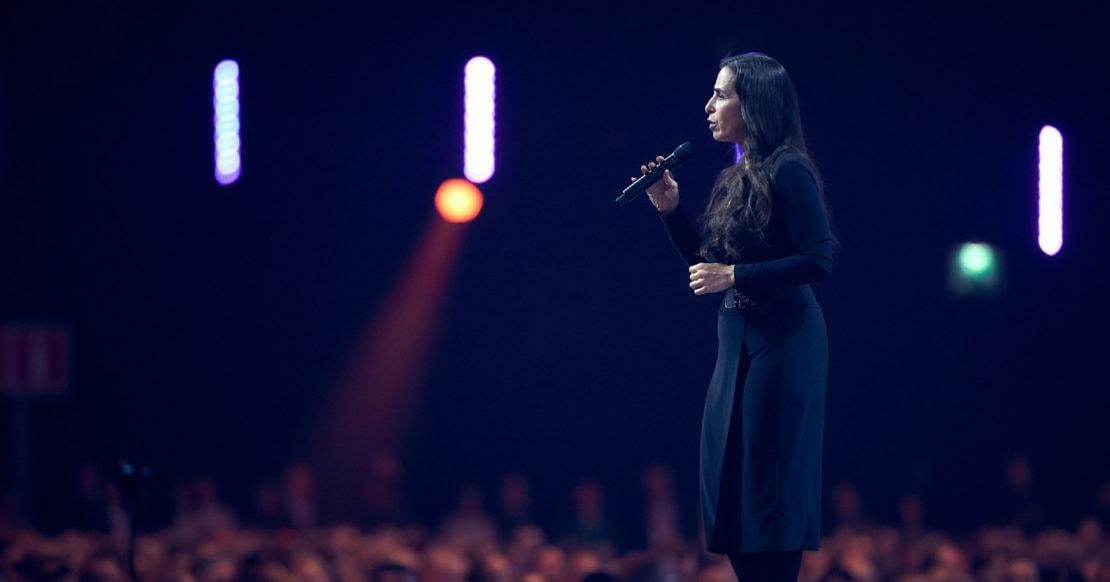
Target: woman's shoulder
x: 790, y: 167
x: 790, y: 161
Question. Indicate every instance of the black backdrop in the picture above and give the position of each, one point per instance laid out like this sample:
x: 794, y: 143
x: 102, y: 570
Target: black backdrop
x: 210, y: 323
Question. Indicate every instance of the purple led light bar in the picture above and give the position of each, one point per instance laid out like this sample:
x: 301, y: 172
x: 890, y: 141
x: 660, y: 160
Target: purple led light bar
x: 478, y: 83
x: 1050, y: 215
x: 225, y: 102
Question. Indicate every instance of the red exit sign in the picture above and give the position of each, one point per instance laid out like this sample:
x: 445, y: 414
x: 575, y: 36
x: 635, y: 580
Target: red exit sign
x: 34, y: 359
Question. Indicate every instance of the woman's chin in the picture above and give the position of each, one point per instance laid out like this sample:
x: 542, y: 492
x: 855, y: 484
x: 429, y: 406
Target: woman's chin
x: 718, y: 136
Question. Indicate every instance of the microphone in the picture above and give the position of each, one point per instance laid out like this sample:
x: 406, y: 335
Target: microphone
x: 634, y: 190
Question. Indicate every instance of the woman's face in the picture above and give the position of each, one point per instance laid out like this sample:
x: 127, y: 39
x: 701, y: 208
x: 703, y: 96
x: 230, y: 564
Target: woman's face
x: 725, y: 122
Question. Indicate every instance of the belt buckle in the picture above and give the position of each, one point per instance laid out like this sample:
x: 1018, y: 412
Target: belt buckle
x: 737, y: 300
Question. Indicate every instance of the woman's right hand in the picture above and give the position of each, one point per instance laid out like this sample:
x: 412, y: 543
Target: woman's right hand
x: 664, y: 193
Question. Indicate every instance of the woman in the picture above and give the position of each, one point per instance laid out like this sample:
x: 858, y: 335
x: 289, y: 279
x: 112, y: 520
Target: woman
x: 767, y: 238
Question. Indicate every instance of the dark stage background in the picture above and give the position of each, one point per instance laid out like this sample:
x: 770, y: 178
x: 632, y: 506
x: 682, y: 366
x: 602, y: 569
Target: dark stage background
x: 210, y: 324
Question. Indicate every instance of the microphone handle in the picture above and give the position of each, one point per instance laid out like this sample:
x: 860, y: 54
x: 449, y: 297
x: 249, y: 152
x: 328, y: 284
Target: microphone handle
x: 635, y: 189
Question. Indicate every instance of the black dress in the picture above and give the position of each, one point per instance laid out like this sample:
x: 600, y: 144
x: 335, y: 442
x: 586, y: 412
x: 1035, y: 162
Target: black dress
x: 760, y: 462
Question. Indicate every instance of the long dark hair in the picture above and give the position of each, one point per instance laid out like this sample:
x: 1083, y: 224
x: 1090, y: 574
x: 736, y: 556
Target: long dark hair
x: 740, y: 203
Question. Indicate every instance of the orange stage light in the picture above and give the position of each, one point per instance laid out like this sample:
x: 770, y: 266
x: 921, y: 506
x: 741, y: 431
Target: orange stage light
x: 458, y: 200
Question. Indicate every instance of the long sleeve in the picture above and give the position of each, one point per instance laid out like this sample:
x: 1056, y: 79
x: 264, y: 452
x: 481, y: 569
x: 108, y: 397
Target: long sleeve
x: 805, y: 227
x: 685, y: 239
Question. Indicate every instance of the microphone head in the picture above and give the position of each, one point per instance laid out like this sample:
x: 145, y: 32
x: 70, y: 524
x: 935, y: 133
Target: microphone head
x: 683, y: 152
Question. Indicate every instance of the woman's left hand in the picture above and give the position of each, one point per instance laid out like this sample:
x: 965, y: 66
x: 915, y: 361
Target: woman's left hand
x: 711, y: 278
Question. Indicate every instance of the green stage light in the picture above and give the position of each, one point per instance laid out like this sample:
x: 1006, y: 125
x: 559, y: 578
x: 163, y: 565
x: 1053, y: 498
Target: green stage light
x: 977, y: 260
x: 975, y: 269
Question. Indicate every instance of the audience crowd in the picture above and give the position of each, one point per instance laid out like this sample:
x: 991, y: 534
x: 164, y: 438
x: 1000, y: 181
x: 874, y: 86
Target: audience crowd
x: 285, y: 541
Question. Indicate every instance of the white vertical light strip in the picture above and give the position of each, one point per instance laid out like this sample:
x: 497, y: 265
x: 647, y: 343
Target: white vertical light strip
x: 1050, y: 215
x: 225, y: 102
x: 478, y: 103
